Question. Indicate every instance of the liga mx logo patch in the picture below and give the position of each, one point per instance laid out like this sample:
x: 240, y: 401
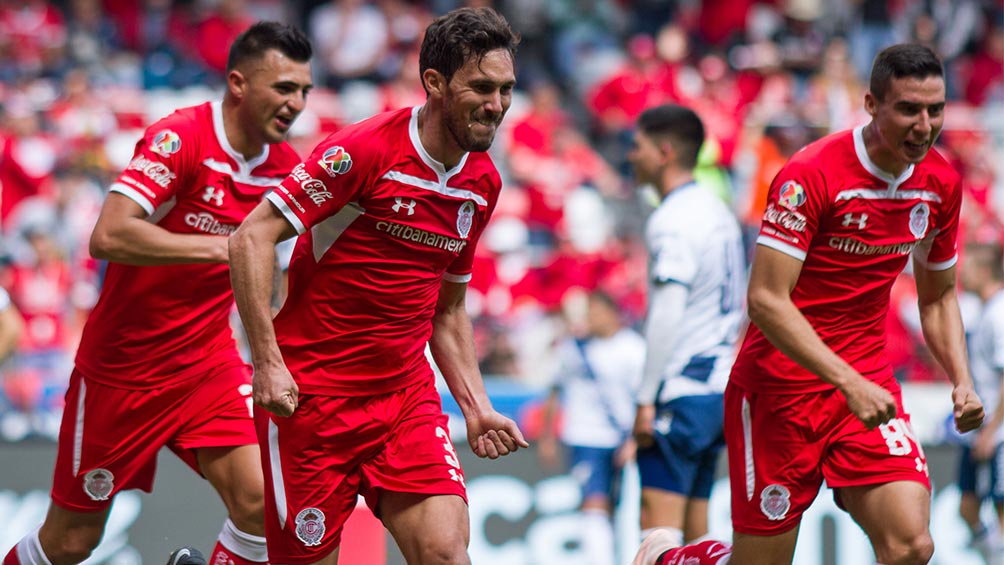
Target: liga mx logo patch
x: 791, y: 195
x: 465, y: 218
x: 165, y: 143
x: 775, y: 501
x: 919, y: 216
x: 310, y: 526
x: 335, y: 161
x: 98, y: 484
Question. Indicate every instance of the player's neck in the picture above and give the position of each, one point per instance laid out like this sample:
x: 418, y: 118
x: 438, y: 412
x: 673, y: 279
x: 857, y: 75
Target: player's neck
x: 879, y: 154
x: 237, y: 137
x: 674, y: 179
x: 436, y: 140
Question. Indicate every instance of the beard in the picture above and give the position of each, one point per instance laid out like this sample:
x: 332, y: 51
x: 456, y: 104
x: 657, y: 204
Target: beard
x: 460, y: 128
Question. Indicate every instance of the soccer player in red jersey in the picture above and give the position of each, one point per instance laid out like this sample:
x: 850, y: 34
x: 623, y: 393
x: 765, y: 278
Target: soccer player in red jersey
x: 157, y: 364
x: 812, y: 396
x: 388, y: 213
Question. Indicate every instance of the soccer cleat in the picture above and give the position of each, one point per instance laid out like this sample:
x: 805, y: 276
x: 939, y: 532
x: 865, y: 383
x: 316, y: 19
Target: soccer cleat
x: 653, y: 546
x: 186, y: 556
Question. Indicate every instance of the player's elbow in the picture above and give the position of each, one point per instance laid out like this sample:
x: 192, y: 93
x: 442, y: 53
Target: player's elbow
x: 761, y: 305
x: 103, y: 244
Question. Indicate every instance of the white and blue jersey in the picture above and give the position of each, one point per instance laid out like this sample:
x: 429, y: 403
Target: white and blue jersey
x: 694, y: 240
x: 598, y: 397
x: 986, y: 355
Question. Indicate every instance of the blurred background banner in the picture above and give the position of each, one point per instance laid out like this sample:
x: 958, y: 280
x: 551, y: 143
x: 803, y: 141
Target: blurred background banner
x: 520, y: 514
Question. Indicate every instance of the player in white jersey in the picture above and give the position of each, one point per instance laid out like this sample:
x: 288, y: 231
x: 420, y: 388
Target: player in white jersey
x: 981, y: 465
x: 696, y: 288
x: 598, y: 374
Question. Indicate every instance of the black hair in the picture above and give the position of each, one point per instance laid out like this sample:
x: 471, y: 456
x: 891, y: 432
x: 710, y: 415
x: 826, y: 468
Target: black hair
x: 263, y: 36
x: 902, y: 61
x: 463, y: 33
x: 680, y: 125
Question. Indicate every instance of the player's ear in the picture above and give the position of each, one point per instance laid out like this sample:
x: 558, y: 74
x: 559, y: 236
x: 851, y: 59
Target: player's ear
x: 237, y: 84
x: 871, y: 103
x: 435, y: 82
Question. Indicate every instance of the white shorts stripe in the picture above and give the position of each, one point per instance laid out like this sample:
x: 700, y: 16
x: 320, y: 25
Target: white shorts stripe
x: 277, y: 482
x: 78, y: 429
x: 748, y: 450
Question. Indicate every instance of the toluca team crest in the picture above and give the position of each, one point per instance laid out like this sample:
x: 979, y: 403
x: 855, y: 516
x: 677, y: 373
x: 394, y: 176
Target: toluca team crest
x: 465, y: 218
x: 918, y: 219
x: 310, y: 526
x: 775, y: 501
x: 98, y: 484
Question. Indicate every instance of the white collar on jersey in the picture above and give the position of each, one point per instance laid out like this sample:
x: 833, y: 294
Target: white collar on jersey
x: 871, y: 167
x: 426, y: 158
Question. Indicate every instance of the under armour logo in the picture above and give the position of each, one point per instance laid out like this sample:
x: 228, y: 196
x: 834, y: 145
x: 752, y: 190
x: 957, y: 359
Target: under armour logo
x: 410, y: 206
x: 860, y: 220
x: 213, y: 195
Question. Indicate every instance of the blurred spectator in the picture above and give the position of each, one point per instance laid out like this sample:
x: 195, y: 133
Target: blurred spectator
x: 870, y: 32
x: 983, y: 81
x: 94, y: 44
x: 801, y: 41
x: 32, y: 39
x: 585, y: 33
x: 168, y: 43
x: 27, y: 154
x: 834, y: 94
x: 217, y: 31
x: 351, y: 38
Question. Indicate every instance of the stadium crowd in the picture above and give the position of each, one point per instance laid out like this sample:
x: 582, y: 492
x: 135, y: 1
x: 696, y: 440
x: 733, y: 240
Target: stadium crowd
x: 80, y: 79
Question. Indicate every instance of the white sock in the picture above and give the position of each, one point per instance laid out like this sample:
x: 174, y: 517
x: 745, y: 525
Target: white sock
x: 676, y: 533
x: 29, y: 550
x: 597, y: 537
x: 243, y: 544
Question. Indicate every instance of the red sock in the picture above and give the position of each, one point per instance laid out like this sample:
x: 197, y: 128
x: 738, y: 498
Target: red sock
x: 708, y: 552
x: 11, y: 558
x: 223, y: 556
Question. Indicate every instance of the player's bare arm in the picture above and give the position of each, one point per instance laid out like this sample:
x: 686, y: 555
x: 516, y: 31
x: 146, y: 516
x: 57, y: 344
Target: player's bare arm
x: 123, y: 235
x: 772, y: 278
x: 252, y: 259
x: 489, y: 433
x: 941, y: 322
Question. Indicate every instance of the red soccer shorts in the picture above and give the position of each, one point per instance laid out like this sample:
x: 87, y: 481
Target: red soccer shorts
x: 333, y: 448
x: 109, y: 437
x: 782, y: 447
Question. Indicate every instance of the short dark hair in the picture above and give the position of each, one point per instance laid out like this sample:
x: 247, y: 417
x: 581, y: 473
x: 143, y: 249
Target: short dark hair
x: 680, y: 125
x: 266, y: 35
x: 462, y: 33
x: 902, y: 61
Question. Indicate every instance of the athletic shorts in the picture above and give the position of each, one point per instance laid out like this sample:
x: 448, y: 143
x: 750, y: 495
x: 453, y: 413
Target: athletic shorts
x: 782, y: 446
x: 109, y: 437
x: 985, y: 479
x: 594, y: 469
x: 688, y: 441
x: 334, y: 448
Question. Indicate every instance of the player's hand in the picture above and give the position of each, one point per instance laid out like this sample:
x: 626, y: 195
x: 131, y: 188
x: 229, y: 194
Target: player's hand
x: 492, y: 435
x: 870, y: 403
x: 968, y: 409
x: 644, y: 425
x: 625, y: 453
x: 275, y: 390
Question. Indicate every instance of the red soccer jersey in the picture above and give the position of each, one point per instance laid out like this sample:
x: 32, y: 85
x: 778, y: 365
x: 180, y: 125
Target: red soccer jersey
x: 854, y: 227
x: 381, y: 224
x: 161, y: 324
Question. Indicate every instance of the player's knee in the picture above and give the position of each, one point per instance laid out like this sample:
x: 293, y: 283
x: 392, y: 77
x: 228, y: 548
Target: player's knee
x: 917, y: 551
x: 73, y: 546
x: 446, y: 550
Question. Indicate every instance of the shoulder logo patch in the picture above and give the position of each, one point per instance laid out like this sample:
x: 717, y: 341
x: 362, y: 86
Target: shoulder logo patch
x: 165, y: 143
x: 791, y: 195
x: 335, y: 161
